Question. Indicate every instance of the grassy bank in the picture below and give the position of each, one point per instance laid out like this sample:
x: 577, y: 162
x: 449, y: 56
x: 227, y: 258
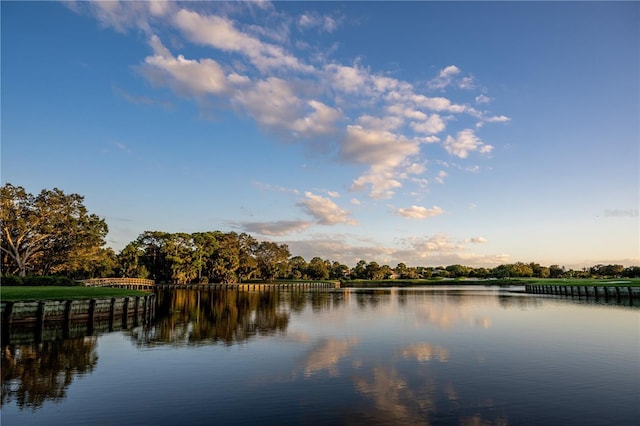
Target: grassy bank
x: 624, y: 282
x: 63, y: 293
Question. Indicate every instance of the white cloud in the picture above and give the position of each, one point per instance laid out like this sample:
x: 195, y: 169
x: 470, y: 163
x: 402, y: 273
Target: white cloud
x: 333, y: 194
x: 444, y: 77
x: 347, y: 79
x: 449, y: 71
x: 376, y: 147
x: 382, y: 182
x: 271, y: 102
x: 238, y: 80
x: 497, y: 119
x: 429, y: 250
x: 447, y: 77
x: 466, y: 83
x: 330, y: 24
x: 441, y: 175
x: 340, y: 247
x: 383, y: 151
x: 159, y: 7
x: 308, y: 20
x: 441, y: 249
x: 325, y: 211
x: 419, y: 212
x: 476, y: 240
x: 323, y: 23
x: 184, y: 76
x: 422, y: 184
x: 355, y: 202
x: 222, y: 34
x: 427, y: 245
x: 278, y: 32
x: 465, y: 141
x: 121, y: 16
x: 438, y: 104
x: 482, y: 99
x: 384, y: 84
x: 417, y: 115
x: 374, y: 119
x: 415, y: 169
x: 401, y: 110
x: 321, y: 121
x: 278, y: 228
x: 376, y: 123
x: 274, y: 103
x: 429, y: 139
x: 433, y: 124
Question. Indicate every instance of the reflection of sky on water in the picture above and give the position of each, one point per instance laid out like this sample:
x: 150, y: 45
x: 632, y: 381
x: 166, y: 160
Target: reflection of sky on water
x: 391, y: 344
x: 425, y: 352
x: 399, y: 378
x: 372, y: 357
x: 392, y: 313
x: 326, y: 354
x: 394, y: 401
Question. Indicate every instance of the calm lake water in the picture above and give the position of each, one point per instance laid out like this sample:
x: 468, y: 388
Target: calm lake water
x: 438, y: 356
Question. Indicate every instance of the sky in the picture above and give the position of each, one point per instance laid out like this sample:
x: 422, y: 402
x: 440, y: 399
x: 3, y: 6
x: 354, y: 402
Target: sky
x: 427, y: 133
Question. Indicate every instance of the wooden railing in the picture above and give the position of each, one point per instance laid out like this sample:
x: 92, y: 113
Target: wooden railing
x: 278, y: 285
x: 129, y: 283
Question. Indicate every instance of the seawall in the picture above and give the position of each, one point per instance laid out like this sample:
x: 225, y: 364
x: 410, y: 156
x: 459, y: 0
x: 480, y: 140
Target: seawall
x: 604, y: 293
x: 81, y: 310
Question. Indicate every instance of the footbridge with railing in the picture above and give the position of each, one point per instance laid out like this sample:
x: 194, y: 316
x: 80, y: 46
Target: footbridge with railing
x: 128, y: 283
x: 145, y: 284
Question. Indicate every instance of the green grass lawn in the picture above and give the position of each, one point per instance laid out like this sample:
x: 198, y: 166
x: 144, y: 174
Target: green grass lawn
x: 10, y: 293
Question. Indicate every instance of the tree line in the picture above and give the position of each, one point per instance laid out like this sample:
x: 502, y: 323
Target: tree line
x: 52, y: 233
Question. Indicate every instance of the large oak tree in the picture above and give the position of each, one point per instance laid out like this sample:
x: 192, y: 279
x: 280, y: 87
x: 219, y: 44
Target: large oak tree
x: 48, y: 233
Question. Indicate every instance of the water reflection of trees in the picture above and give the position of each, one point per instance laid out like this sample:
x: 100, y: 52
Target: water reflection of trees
x: 373, y: 297
x: 35, y: 373
x: 190, y: 317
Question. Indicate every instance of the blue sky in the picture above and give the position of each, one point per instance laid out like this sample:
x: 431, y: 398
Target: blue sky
x: 427, y: 133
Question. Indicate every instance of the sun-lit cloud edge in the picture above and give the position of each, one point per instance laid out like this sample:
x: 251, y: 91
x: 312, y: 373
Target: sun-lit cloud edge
x: 419, y: 212
x: 275, y: 228
x: 324, y: 210
x: 426, y: 250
